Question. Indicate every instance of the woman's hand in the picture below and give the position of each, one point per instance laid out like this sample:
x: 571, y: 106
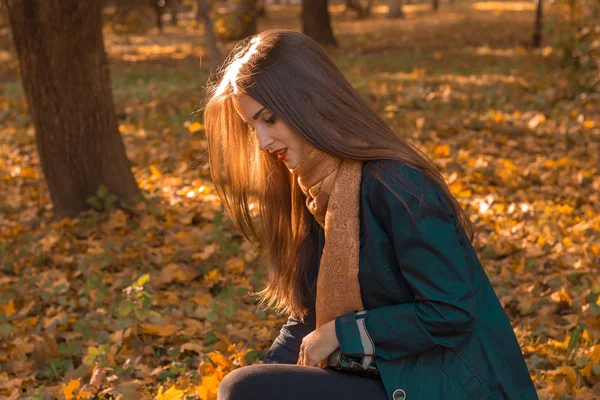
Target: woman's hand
x: 318, y: 345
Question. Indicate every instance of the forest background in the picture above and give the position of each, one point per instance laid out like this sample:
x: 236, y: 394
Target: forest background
x: 105, y: 297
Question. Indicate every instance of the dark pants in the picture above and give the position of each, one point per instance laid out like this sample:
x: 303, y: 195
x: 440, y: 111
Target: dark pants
x: 296, y: 382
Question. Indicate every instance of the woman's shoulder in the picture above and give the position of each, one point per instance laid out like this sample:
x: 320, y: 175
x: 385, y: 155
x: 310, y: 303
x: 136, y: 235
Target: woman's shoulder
x: 392, y: 172
x: 382, y: 177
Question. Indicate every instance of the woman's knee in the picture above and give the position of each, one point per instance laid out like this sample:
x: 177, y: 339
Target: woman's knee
x: 241, y: 384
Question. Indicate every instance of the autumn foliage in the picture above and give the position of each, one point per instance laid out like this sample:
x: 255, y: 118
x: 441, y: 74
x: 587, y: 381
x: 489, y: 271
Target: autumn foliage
x: 151, y: 300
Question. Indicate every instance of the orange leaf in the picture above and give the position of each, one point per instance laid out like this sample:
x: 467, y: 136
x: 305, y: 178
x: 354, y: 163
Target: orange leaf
x: 155, y: 172
x: 8, y: 309
x: 160, y: 330
x: 70, y: 388
x: 220, y: 360
x: 171, y: 394
x: 594, y: 355
x: 235, y: 266
x: 209, y: 387
x: 195, y: 127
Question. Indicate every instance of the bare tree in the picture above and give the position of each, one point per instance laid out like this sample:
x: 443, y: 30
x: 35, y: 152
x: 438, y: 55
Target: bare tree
x: 395, y: 9
x: 247, y: 12
x: 362, y: 10
x: 316, y: 22
x: 215, y: 57
x: 261, y: 9
x: 66, y: 81
x: 174, y: 8
x: 159, y: 11
x: 536, y: 41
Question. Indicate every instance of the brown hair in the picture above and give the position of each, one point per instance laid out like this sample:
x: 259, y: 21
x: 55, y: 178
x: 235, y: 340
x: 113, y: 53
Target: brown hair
x: 293, y: 77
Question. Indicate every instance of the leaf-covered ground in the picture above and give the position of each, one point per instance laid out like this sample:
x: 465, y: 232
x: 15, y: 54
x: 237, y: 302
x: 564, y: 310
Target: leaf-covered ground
x: 153, y: 301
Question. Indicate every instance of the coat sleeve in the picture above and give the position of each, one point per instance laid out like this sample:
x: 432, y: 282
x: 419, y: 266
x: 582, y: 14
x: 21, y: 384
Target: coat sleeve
x: 286, y: 347
x: 430, y: 258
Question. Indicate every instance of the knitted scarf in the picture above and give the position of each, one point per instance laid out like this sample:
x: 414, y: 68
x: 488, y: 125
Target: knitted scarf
x: 332, y: 189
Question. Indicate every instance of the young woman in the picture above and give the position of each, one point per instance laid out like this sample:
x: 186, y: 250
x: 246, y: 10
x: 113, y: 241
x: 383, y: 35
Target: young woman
x: 366, y: 248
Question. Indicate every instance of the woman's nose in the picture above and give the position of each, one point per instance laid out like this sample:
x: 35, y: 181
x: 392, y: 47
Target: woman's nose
x: 264, y: 140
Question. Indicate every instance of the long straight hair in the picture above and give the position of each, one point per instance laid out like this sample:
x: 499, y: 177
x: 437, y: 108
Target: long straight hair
x: 293, y: 77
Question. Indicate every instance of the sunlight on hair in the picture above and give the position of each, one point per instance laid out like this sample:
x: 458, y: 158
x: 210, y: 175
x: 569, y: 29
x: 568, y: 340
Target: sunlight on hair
x: 233, y: 69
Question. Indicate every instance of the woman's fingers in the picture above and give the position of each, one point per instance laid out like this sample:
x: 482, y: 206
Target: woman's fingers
x: 304, y: 358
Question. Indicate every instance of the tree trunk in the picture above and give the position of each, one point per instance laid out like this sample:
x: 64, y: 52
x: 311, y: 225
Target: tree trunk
x: 435, y: 5
x: 158, y: 10
x: 66, y: 81
x: 215, y: 57
x: 262, y: 9
x: 362, y: 11
x: 248, y: 17
x: 536, y: 41
x: 174, y: 8
x: 316, y: 22
x: 395, y: 9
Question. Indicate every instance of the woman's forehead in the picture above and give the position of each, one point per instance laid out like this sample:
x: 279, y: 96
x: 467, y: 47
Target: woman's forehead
x: 246, y: 106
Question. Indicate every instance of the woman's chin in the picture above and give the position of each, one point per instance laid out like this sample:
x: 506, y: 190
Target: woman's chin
x: 290, y: 164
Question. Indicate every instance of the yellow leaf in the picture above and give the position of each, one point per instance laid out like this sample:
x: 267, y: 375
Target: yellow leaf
x: 83, y: 394
x: 31, y: 173
x: 594, y: 356
x: 70, y: 388
x: 155, y: 172
x: 117, y: 220
x: 546, y: 51
x: 213, y: 277
x: 195, y: 127
x: 209, y: 387
x: 420, y: 122
x: 177, y: 272
x: 206, y: 252
x: 220, y: 360
x: 160, y: 330
x: 203, y: 299
x: 588, y: 124
x: 536, y: 121
x: 9, y: 309
x: 569, y: 372
x: 171, y: 394
x: 442, y: 151
x: 541, y: 240
x: 235, y: 266
x: 49, y: 241
x: 148, y: 222
x: 197, y: 347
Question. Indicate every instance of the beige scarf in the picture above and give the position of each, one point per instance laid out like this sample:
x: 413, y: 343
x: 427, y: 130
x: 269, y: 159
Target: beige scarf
x: 332, y: 189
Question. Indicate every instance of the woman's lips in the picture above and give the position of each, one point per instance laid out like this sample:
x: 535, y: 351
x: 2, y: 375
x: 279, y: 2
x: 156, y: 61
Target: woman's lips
x: 282, y: 157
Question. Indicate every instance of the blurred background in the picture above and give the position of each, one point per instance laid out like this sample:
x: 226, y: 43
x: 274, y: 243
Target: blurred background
x: 120, y: 276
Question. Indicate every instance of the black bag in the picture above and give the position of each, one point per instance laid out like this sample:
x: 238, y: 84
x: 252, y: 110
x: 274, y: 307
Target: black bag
x: 343, y: 363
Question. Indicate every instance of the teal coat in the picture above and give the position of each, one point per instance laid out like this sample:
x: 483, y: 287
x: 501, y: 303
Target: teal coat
x: 437, y: 328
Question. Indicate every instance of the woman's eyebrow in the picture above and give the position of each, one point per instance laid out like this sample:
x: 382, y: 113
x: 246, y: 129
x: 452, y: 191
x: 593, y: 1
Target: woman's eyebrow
x: 258, y: 113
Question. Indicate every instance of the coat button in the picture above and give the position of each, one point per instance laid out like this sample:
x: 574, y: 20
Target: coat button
x: 399, y: 394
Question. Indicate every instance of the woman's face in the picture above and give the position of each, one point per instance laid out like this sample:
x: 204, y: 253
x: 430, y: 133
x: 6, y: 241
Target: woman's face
x: 271, y: 132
